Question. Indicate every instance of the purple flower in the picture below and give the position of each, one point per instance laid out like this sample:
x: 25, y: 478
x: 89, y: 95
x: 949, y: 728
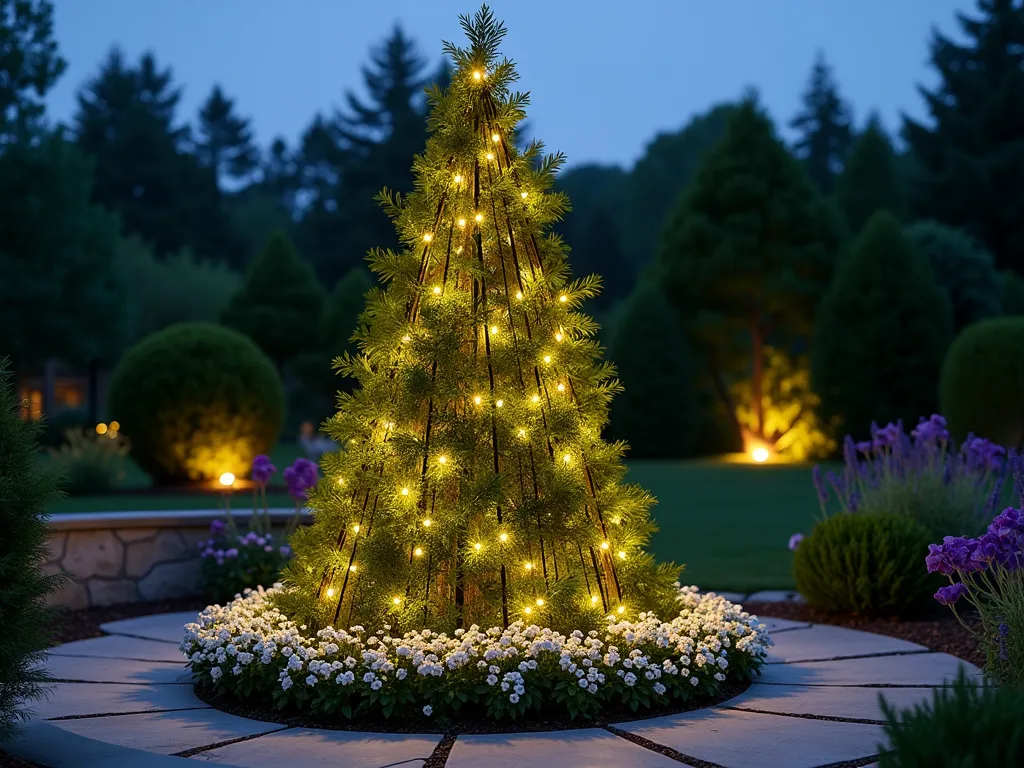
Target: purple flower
x: 952, y: 593
x: 268, y: 548
x: 217, y: 526
x: 888, y: 436
x: 231, y: 553
x: 794, y: 541
x: 300, y: 477
x: 262, y: 469
x: 983, y: 454
x: 285, y: 551
x: 931, y: 430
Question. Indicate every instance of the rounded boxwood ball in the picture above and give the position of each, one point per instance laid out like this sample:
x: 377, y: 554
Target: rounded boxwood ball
x: 865, y: 563
x: 982, y: 381
x: 196, y: 400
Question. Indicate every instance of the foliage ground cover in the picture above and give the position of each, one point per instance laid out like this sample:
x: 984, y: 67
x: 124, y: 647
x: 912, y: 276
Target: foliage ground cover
x: 248, y: 649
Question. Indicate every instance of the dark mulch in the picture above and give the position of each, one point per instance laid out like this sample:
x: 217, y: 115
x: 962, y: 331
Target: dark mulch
x: 470, y: 724
x: 85, y: 623
x: 936, y: 629
x: 9, y: 761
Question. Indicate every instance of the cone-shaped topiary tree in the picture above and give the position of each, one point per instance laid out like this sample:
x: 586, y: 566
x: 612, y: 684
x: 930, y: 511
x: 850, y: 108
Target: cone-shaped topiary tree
x: 473, y: 485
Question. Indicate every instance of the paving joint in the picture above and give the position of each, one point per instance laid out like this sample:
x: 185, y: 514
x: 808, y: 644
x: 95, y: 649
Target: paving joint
x: 661, y: 749
x: 228, y: 742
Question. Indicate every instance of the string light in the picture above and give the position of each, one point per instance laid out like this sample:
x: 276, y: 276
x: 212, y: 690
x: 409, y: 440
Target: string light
x: 593, y: 599
x: 528, y: 566
x: 535, y: 399
x: 622, y: 609
x: 458, y: 178
x: 341, y: 481
x: 479, y: 217
x: 495, y: 138
x: 352, y: 568
x: 622, y: 555
x: 462, y: 223
x: 563, y: 298
x: 494, y: 330
x: 559, y: 336
x: 478, y: 546
x: 477, y: 400
x: 355, y: 528
x: 540, y: 602
x: 490, y: 155
x: 522, y: 433
x: 503, y: 537
x: 527, y: 610
x: 478, y: 75
x: 519, y: 295
x: 330, y: 591
x: 427, y: 522
x: 405, y: 491
x: 396, y: 600
x: 437, y: 290
x: 567, y: 458
x: 407, y: 338
x: 524, y: 195
x: 418, y: 551
x: 561, y: 387
x: 427, y: 237
x: 605, y: 545
x: 442, y: 460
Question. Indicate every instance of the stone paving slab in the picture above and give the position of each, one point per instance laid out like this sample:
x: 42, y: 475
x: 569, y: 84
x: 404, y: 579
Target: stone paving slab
x: 822, y: 641
x: 589, y: 748
x: 167, y: 733
x: 828, y: 701
x: 736, y: 739
x: 101, y: 670
x: 46, y: 744
x: 121, y: 647
x: 77, y: 699
x: 312, y: 748
x: 168, y: 627
x: 929, y: 669
x: 775, y: 596
x: 776, y: 625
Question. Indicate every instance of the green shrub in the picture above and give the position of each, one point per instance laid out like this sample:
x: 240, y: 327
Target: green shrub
x: 1012, y: 293
x: 657, y: 411
x: 197, y: 400
x: 982, y: 381
x: 962, y: 268
x: 964, y: 725
x: 880, y: 333
x: 869, y: 564
x: 55, y: 428
x: 25, y: 492
x: 91, y: 463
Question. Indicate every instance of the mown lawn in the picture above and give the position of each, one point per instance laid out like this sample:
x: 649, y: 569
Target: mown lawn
x: 728, y: 523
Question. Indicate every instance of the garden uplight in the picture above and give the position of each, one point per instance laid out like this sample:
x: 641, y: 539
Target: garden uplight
x: 227, y: 479
x: 760, y: 454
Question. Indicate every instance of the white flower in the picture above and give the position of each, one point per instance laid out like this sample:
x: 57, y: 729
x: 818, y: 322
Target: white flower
x: 583, y: 683
x: 719, y: 677
x: 376, y: 685
x: 428, y: 710
x: 216, y: 673
x: 659, y: 689
x: 493, y: 680
x: 311, y: 680
x: 286, y: 683
x: 401, y: 673
x: 629, y: 679
x: 514, y: 698
x: 693, y: 681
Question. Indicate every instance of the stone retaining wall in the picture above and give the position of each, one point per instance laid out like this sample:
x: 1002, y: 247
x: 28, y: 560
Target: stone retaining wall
x: 128, y: 557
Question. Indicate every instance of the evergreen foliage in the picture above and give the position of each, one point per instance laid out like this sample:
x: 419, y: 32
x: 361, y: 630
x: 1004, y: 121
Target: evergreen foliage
x: 225, y: 141
x: 746, y: 253
x: 964, y: 724
x: 29, y: 65
x: 971, y: 157
x: 881, y: 332
x: 60, y: 291
x: 825, y: 127
x: 871, y: 180
x: 474, y: 487
x: 868, y: 564
x: 982, y: 378
x: 962, y: 268
x: 280, y: 302
x: 600, y: 253
x: 196, y: 400
x: 25, y: 492
x: 657, y: 413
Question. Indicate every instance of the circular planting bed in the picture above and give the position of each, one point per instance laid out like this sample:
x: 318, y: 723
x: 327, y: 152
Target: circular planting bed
x: 248, y: 658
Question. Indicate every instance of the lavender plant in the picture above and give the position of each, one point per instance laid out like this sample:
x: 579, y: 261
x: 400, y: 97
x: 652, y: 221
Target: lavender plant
x: 234, y: 561
x: 924, y: 475
x: 988, y: 573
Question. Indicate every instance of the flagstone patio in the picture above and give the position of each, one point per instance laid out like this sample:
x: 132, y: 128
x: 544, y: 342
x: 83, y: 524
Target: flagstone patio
x: 125, y: 700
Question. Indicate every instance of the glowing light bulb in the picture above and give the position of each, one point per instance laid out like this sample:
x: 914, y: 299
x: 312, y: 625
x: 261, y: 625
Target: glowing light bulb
x: 495, y: 138
x: 563, y: 298
x: 559, y: 336
x: 547, y: 358
x: 442, y: 459
x: 494, y: 330
x: 341, y: 481
x: 396, y: 600
x: 458, y: 178
x: 524, y: 195
x: 519, y: 295
x: 490, y: 155
x: 540, y: 601
x: 405, y: 491
x: 499, y: 403
x: 427, y: 237
x: 593, y: 598
x: 461, y: 222
x: 427, y: 522
x: 437, y: 290
x: 522, y: 433
x: 355, y: 528
x: 389, y: 425
x: 479, y: 217
x: 418, y: 551
x: 407, y: 338
x: 227, y: 479
x: 560, y: 387
x: 760, y: 454
x: 528, y: 566
x: 622, y: 609
x: 503, y: 537
x: 330, y: 591
x: 477, y: 400
x: 622, y: 555
x: 535, y: 399
x: 478, y: 75
x: 478, y: 546
x: 101, y: 429
x: 567, y: 458
x: 605, y: 545
x: 527, y: 610
x: 352, y: 568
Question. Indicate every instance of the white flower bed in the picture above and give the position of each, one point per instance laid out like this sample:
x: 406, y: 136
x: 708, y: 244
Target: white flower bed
x: 249, y: 650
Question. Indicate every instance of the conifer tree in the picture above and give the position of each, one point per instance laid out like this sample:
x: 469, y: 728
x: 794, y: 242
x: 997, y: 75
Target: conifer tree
x: 871, y: 180
x: 225, y: 141
x: 473, y: 486
x: 824, y: 124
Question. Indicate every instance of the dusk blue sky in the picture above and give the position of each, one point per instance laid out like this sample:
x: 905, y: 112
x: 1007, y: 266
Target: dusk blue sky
x: 605, y: 77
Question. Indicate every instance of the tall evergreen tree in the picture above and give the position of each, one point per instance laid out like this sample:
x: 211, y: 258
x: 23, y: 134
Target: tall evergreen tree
x: 224, y: 142
x: 825, y: 127
x: 872, y: 179
x: 971, y: 156
x: 474, y: 486
x: 594, y: 188
x: 746, y: 254
x: 29, y: 64
x: 126, y: 121
x: 599, y: 252
x: 881, y: 333
x: 279, y: 303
